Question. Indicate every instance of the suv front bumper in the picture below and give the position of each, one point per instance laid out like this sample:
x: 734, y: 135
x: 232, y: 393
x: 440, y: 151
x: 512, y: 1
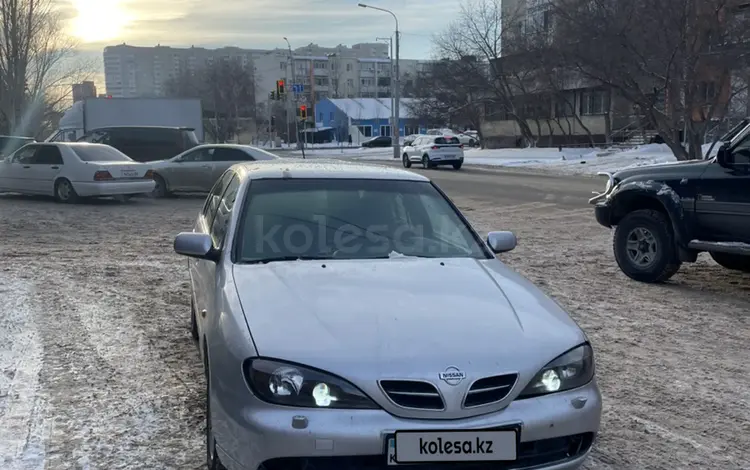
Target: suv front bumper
x: 603, y: 214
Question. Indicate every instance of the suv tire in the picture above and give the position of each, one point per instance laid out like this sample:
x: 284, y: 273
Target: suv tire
x: 644, y: 246
x: 732, y: 261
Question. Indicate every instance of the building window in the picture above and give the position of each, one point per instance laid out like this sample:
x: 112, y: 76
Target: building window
x: 594, y: 102
x: 350, y: 82
x: 348, y: 67
x: 321, y: 81
x: 320, y: 116
x: 565, y: 105
x: 365, y: 130
x: 321, y: 65
x: 409, y: 130
x: 385, y: 130
x: 282, y: 65
x: 367, y: 81
x: 331, y: 116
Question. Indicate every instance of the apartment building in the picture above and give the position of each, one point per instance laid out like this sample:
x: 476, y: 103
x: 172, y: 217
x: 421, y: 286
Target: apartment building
x: 359, y: 71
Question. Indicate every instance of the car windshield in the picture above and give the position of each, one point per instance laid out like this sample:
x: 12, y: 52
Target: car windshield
x: 99, y: 153
x: 350, y: 219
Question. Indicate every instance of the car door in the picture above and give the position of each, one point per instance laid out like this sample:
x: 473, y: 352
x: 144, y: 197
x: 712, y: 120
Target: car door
x: 203, y: 272
x: 18, y: 173
x: 223, y: 158
x: 722, y: 201
x: 192, y: 171
x: 48, y: 163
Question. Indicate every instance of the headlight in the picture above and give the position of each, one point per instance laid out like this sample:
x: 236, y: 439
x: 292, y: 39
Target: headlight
x: 293, y: 385
x: 573, y: 369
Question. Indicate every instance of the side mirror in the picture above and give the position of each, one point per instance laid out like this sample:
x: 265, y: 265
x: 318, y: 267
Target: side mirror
x: 195, y: 245
x: 723, y: 156
x: 502, y: 242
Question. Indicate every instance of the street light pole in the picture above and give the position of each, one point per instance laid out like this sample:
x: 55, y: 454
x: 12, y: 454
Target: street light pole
x: 293, y: 100
x: 397, y: 90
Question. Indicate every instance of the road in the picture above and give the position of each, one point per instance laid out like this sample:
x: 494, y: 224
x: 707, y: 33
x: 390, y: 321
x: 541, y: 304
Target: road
x: 509, y: 188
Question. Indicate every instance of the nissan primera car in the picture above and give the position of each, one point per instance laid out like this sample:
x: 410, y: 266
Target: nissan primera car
x: 349, y: 317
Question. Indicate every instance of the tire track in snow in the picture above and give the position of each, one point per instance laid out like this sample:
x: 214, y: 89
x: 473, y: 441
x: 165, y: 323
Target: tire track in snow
x: 23, y: 411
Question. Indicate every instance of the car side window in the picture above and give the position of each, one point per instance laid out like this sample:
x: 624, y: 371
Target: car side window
x: 48, y: 155
x: 230, y: 155
x: 212, y: 201
x: 98, y: 137
x: 224, y: 213
x: 199, y: 155
x: 26, y: 155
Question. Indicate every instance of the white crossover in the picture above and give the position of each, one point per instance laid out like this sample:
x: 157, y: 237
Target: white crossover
x: 433, y: 150
x: 70, y: 171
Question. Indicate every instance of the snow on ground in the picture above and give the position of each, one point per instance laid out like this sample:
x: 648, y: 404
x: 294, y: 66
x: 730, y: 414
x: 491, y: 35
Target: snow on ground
x: 573, y: 161
x: 97, y: 368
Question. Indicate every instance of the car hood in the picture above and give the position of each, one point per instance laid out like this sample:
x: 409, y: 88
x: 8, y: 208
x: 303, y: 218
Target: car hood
x: 409, y: 317
x: 664, y: 170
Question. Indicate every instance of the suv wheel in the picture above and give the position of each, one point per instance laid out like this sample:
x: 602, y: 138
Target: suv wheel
x: 644, y: 247
x: 407, y: 162
x: 732, y: 261
x: 426, y: 162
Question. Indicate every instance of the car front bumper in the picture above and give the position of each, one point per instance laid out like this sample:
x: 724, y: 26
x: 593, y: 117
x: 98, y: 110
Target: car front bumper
x: 113, y: 188
x: 556, y: 433
x: 603, y: 214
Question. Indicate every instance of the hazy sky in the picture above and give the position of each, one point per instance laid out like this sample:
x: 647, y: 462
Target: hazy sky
x: 255, y: 23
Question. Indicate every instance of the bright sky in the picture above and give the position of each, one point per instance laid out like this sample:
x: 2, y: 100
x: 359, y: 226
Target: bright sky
x: 255, y: 23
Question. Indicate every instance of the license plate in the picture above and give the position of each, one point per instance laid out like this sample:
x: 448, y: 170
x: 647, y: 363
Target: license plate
x: 451, y: 446
x: 130, y: 173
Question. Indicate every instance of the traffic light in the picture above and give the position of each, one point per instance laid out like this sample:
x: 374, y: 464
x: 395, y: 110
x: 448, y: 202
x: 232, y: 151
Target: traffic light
x: 303, y: 112
x: 273, y: 95
x: 280, y: 88
x: 273, y: 122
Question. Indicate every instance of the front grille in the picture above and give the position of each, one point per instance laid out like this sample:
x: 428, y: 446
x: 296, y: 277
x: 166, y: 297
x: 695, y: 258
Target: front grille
x: 489, y: 390
x: 413, y: 394
x: 530, y: 455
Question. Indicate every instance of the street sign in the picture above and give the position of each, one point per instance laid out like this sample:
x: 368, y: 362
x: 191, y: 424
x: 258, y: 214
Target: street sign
x: 298, y: 88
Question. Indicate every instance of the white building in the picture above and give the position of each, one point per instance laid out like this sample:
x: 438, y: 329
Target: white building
x: 360, y: 71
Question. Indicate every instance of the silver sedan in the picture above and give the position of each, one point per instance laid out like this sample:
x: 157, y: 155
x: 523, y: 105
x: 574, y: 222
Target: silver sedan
x: 197, y: 169
x: 348, y: 316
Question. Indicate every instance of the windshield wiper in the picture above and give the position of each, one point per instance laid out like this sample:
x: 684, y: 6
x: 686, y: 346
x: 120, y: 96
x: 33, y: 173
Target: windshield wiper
x: 284, y: 258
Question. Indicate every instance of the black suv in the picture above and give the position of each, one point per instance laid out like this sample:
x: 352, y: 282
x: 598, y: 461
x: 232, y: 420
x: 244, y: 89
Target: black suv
x: 666, y: 214
x: 144, y: 143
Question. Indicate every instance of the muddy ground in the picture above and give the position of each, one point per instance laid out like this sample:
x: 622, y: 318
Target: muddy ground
x: 97, y: 369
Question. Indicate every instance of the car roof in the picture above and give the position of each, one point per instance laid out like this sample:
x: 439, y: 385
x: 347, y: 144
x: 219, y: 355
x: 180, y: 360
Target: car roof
x: 323, y: 169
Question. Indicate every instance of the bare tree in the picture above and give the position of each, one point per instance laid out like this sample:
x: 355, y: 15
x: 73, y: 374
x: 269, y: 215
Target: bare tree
x: 37, y: 64
x: 227, y: 90
x: 670, y: 59
x: 477, y: 34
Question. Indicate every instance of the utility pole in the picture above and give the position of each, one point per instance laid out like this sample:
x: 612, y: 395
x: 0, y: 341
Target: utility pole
x: 397, y: 92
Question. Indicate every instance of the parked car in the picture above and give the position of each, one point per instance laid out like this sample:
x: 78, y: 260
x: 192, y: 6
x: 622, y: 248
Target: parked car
x: 443, y: 131
x: 379, y: 141
x: 323, y: 350
x: 410, y: 138
x: 11, y: 143
x: 145, y: 143
x: 467, y: 139
x: 198, y: 169
x: 70, y: 171
x: 433, y: 151
x: 665, y: 215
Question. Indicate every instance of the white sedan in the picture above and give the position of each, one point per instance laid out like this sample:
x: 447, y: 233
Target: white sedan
x: 73, y: 170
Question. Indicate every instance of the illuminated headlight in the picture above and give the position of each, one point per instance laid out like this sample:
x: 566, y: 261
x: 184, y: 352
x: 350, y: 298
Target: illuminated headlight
x: 573, y: 369
x: 294, y: 385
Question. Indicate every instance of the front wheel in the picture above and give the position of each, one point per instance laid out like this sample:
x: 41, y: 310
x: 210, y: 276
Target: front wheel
x: 644, y: 247
x: 406, y: 161
x: 731, y: 261
x: 212, y: 458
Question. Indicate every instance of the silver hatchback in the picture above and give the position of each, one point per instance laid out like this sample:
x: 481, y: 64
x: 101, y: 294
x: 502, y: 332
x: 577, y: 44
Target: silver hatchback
x: 348, y: 316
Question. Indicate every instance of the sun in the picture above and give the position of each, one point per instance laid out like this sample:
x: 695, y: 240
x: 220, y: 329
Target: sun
x: 99, y: 20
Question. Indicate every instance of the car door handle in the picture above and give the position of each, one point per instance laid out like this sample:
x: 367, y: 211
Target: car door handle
x: 55, y: 167
x: 205, y: 166
x: 27, y: 166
